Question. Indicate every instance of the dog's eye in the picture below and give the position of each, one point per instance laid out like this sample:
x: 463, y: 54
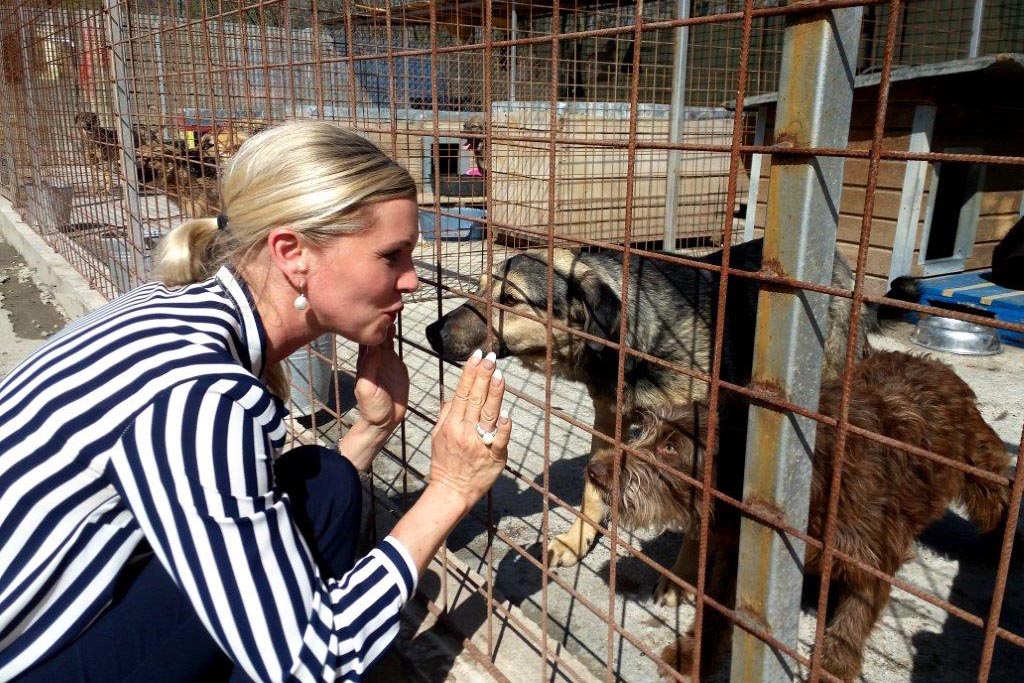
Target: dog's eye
x: 634, y: 432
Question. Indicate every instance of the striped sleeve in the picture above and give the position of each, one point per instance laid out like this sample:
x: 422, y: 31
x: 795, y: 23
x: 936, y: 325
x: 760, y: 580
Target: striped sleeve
x: 195, y: 467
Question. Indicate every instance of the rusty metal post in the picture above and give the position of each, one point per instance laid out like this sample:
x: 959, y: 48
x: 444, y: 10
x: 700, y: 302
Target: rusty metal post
x: 815, y: 98
x: 35, y: 198
x: 117, y: 22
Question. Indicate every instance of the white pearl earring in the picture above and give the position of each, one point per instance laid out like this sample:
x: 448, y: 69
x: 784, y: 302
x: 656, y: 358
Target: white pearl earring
x: 301, y: 302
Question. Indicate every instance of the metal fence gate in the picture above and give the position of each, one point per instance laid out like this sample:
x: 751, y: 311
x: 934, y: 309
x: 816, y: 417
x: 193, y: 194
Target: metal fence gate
x: 885, y: 131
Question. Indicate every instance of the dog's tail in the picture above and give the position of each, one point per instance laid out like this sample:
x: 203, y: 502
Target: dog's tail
x: 987, y: 502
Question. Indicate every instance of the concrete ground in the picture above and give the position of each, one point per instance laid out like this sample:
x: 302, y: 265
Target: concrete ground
x: 915, y: 642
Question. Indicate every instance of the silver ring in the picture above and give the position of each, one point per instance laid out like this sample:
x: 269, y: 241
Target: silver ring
x: 485, y: 436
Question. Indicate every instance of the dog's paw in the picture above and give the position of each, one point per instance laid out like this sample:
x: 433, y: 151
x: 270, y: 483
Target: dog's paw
x: 679, y: 656
x: 560, y: 554
x: 569, y: 548
x: 671, y: 594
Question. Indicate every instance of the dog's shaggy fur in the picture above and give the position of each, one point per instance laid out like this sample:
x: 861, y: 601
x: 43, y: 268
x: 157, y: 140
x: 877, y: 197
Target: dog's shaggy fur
x: 887, y: 497
x: 671, y: 315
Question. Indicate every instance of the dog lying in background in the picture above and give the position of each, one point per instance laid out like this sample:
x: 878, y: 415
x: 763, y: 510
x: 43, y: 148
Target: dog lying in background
x: 223, y: 144
x: 102, y: 146
x: 186, y: 176
x: 671, y: 315
x: 886, y: 499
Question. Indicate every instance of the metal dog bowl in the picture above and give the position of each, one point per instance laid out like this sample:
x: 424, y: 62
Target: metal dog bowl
x: 955, y: 336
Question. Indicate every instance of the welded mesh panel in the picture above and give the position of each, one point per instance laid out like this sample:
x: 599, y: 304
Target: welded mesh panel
x: 530, y: 126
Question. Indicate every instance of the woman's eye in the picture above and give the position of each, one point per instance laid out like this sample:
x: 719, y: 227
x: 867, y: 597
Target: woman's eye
x: 392, y: 256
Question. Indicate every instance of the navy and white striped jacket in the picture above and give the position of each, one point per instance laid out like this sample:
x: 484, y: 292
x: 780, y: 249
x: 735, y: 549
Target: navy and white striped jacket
x: 144, y: 421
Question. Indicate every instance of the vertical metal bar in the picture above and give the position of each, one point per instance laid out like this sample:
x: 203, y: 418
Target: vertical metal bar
x: 117, y: 23
x: 756, y: 160
x: 976, y: 19
x: 815, y: 99
x: 512, y: 56
x: 675, y: 133
x: 912, y: 192
x: 161, y: 84
x: 36, y: 199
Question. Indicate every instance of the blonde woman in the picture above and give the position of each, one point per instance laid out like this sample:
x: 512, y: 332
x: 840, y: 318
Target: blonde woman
x: 150, y: 527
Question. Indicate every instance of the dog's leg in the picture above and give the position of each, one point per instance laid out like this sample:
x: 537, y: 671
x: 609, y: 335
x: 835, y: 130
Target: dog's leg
x: 860, y: 601
x: 716, y: 633
x: 668, y: 592
x: 567, y: 549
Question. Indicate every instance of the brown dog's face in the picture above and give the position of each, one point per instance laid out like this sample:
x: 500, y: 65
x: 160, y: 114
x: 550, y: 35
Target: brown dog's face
x: 651, y: 493
x: 520, y: 285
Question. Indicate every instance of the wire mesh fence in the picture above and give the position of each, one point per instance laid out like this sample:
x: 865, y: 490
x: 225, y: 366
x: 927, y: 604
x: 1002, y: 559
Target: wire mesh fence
x: 570, y: 138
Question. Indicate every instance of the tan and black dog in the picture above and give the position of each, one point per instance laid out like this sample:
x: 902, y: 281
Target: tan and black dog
x: 670, y: 312
x: 887, y: 497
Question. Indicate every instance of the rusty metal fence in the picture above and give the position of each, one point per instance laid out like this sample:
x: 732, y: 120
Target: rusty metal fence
x: 882, y: 131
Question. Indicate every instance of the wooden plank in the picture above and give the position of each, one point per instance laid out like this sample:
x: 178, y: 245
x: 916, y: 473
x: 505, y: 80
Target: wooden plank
x: 877, y: 262
x: 887, y: 202
x: 981, y: 257
x: 994, y: 228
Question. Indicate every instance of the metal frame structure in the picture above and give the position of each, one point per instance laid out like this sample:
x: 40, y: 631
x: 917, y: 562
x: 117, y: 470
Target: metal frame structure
x: 619, y: 147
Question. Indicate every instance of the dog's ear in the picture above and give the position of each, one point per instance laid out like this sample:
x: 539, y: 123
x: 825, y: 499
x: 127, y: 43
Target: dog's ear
x: 594, y: 307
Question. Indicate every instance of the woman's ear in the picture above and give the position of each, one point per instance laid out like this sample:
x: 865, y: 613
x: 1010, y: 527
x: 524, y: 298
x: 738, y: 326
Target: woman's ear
x: 289, y: 254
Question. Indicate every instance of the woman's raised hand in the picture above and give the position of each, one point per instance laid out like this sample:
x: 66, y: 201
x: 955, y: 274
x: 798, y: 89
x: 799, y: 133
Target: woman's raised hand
x: 382, y: 384
x: 470, y: 439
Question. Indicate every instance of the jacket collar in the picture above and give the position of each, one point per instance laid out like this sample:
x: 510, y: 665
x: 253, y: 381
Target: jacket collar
x: 251, y: 353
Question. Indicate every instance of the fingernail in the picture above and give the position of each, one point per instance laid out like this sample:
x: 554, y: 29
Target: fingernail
x: 496, y: 377
x: 503, y: 416
x: 491, y: 356
x: 477, y: 355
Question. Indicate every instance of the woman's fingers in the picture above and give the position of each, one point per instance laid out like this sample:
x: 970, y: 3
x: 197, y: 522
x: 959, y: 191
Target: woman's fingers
x: 492, y: 401
x: 502, y: 433
x: 465, y: 385
x: 480, y: 389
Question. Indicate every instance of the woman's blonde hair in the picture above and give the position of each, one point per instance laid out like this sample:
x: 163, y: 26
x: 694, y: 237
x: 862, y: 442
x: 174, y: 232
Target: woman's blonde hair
x: 315, y: 177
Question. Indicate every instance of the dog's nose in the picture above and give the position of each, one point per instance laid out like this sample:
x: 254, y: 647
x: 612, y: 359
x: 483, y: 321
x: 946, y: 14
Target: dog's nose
x: 599, y: 473
x: 435, y: 335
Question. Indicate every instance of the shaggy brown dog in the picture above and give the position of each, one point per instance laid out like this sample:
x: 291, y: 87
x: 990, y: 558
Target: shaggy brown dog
x: 887, y: 497
x: 670, y: 312
x: 100, y: 145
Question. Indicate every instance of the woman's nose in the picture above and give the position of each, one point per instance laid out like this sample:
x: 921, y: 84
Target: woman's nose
x: 408, y: 281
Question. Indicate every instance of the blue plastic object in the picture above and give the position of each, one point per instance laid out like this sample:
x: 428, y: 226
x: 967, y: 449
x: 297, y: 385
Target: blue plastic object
x: 972, y: 290
x: 465, y: 227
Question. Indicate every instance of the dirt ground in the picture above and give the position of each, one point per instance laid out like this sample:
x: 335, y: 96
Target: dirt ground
x: 29, y: 313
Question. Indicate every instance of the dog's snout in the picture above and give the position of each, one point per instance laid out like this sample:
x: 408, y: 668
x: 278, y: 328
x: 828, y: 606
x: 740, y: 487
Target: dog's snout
x: 458, y: 333
x: 599, y: 473
x: 435, y: 335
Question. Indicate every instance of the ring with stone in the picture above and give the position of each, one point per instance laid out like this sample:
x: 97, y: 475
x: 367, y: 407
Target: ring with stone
x: 485, y: 436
